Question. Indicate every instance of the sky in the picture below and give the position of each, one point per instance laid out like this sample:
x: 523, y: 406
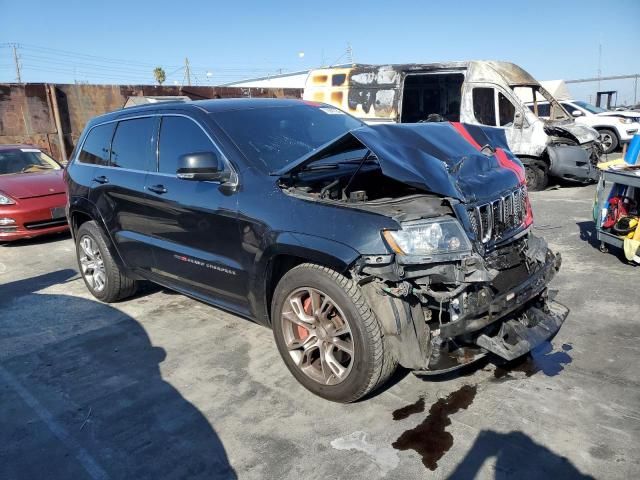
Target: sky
x: 122, y: 41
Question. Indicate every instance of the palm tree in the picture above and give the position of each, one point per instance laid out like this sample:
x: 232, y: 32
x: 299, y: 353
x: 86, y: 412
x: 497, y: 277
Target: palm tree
x: 159, y: 75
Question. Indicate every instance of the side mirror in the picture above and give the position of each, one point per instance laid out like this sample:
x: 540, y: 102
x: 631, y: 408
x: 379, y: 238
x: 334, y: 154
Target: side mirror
x: 518, y: 120
x: 577, y: 113
x: 202, y: 166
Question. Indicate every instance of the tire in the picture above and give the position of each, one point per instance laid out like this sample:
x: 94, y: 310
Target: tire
x: 370, y: 364
x: 100, y: 273
x: 609, y: 140
x: 536, y: 176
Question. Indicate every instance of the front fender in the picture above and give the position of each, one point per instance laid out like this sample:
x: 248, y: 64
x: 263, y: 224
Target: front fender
x: 309, y: 248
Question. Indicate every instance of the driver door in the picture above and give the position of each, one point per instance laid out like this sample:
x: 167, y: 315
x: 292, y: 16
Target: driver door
x: 493, y: 107
x: 193, y: 224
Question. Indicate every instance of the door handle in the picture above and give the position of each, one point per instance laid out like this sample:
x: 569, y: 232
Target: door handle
x: 159, y: 189
x: 101, y: 179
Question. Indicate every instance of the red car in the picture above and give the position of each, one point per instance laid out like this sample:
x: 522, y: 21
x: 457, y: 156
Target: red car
x: 32, y: 193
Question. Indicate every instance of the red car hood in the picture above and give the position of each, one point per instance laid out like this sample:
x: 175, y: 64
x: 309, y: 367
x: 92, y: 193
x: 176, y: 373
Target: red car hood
x: 37, y: 184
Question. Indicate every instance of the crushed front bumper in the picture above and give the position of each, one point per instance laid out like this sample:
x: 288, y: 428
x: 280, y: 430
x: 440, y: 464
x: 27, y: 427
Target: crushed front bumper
x: 518, y: 336
x: 572, y: 162
x: 503, y: 308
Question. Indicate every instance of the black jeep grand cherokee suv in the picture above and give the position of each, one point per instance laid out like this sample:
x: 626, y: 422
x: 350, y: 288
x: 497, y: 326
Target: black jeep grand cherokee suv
x: 361, y: 247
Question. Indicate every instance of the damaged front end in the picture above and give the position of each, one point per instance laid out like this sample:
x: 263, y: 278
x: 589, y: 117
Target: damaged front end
x: 445, y: 314
x: 574, y: 151
x: 463, y: 274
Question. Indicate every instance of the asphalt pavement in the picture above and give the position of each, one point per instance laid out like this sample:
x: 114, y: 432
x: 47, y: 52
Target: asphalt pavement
x: 163, y: 386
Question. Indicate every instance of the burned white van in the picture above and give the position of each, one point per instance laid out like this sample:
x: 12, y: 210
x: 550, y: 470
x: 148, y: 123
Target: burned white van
x: 480, y: 92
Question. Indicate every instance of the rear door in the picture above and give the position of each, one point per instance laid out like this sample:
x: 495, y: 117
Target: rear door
x: 118, y: 188
x: 196, y: 240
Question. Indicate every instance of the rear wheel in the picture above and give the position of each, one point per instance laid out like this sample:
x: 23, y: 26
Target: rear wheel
x: 608, y: 139
x: 327, y: 335
x: 99, y: 271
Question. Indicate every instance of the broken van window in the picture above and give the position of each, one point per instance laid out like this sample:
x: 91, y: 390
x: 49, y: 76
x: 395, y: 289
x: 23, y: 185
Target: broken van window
x: 484, y: 107
x: 506, y: 110
x: 539, y: 97
x: 430, y: 97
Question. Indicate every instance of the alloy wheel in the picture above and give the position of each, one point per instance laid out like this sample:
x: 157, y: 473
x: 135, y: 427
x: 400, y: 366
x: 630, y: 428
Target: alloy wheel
x: 92, y: 264
x: 606, y: 140
x: 317, y: 336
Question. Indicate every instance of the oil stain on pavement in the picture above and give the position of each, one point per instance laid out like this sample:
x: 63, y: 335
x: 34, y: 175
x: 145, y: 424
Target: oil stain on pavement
x: 430, y: 438
x: 404, y: 412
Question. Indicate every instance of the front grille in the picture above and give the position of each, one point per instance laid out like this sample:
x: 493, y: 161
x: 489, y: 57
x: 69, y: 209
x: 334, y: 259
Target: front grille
x: 45, y: 224
x: 491, y: 221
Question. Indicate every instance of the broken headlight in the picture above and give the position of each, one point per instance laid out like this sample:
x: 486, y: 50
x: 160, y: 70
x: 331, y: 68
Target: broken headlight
x: 428, y: 237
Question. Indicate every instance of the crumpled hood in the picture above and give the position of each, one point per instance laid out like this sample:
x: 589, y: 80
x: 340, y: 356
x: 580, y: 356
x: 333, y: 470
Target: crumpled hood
x: 36, y: 184
x: 431, y: 156
x: 582, y: 133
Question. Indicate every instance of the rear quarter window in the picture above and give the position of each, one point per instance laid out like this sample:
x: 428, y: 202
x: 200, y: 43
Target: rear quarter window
x: 96, y: 147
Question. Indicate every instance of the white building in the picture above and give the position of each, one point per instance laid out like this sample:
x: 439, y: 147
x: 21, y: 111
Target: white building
x: 282, y: 80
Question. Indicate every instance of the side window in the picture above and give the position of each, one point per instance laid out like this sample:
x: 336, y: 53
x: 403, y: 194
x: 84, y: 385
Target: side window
x: 544, y: 110
x: 484, y: 106
x: 96, y: 147
x: 133, y: 144
x: 179, y: 136
x: 569, y: 108
x: 506, y: 111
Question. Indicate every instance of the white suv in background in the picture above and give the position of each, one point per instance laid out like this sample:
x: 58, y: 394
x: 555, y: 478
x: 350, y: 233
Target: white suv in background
x: 615, y: 128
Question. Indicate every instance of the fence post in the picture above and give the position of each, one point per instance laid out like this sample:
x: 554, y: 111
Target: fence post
x: 56, y: 118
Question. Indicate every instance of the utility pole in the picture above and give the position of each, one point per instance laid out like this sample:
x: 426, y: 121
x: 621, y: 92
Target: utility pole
x: 349, y: 53
x: 16, y: 59
x: 187, y: 71
x: 599, y: 65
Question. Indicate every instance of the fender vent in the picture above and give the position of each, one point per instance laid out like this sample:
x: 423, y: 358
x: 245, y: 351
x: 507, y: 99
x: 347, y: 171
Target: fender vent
x: 491, y: 221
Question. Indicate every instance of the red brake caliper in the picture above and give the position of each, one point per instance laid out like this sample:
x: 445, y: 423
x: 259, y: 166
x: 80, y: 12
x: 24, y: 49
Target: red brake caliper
x: 303, y: 332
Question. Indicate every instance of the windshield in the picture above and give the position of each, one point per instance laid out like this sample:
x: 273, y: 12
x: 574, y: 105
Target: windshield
x: 535, y: 95
x: 25, y: 161
x: 272, y: 137
x: 590, y: 108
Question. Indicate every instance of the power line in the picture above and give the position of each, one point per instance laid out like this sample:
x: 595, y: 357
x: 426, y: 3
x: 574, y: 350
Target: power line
x: 37, y: 59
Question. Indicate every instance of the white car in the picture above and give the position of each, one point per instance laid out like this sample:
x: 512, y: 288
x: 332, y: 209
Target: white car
x: 615, y: 128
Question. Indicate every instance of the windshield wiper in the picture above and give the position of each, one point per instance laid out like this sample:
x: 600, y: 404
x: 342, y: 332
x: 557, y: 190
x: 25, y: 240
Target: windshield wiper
x: 334, y: 165
x: 43, y: 167
x: 325, y: 166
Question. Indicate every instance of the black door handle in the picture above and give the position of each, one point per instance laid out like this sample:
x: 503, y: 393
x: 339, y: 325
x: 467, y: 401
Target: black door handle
x: 159, y: 189
x: 101, y: 179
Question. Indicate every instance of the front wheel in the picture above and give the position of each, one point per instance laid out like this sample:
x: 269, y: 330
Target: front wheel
x: 536, y: 176
x: 328, y: 336
x: 609, y: 140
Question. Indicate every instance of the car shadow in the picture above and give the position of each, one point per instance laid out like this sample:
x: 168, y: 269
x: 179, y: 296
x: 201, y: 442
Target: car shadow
x: 39, y: 240
x: 83, y: 395
x: 516, y: 456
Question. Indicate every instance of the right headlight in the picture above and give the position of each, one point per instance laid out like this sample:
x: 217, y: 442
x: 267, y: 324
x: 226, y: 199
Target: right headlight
x: 428, y: 237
